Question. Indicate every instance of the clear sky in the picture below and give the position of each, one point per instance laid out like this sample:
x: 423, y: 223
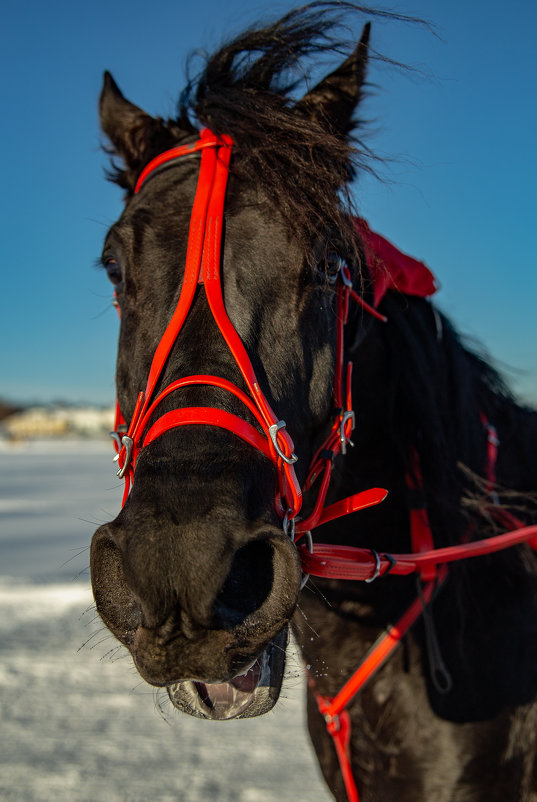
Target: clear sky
x: 461, y: 194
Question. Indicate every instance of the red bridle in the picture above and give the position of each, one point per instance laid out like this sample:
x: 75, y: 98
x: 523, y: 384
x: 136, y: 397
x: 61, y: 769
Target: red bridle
x: 203, y: 267
x: 273, y: 441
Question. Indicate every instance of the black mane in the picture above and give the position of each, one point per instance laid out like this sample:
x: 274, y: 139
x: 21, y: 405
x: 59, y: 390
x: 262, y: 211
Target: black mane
x: 435, y: 378
x: 249, y: 88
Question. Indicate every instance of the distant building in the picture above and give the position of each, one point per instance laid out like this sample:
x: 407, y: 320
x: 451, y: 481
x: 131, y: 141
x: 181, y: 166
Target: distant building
x: 58, y: 421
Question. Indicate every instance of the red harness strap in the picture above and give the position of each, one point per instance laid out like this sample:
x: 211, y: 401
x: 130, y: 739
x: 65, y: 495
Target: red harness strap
x: 333, y: 709
x: 359, y: 564
x: 421, y: 536
x: 349, y: 562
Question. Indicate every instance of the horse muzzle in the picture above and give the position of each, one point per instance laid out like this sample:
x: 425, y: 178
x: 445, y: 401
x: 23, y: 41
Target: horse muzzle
x: 213, y: 633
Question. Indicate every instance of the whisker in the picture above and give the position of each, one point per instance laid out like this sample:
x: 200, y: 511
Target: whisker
x: 93, y: 635
x: 80, y: 551
x: 316, y: 590
x: 305, y: 617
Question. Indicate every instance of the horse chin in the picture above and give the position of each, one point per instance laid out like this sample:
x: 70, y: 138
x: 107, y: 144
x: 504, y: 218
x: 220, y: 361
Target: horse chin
x: 249, y: 694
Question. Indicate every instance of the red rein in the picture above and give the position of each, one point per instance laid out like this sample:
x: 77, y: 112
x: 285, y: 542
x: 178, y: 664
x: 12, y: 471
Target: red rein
x: 389, y: 269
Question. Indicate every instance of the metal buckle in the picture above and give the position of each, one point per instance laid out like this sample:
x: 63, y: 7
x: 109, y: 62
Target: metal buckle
x: 376, y: 572
x: 127, y: 443
x: 288, y: 526
x: 116, y: 437
x: 273, y: 432
x: 347, y: 416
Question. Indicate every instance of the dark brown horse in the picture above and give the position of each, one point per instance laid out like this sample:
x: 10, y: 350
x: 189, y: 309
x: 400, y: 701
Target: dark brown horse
x: 232, y: 321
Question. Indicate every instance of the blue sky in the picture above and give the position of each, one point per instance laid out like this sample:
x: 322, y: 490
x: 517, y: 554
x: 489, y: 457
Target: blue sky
x: 460, y: 194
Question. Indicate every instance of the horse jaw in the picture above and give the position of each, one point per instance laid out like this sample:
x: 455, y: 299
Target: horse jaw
x: 249, y: 694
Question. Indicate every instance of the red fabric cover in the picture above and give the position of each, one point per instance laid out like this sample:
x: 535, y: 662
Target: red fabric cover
x: 393, y: 270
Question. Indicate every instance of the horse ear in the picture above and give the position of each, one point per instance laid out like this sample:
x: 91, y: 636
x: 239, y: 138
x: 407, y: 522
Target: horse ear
x: 134, y: 134
x: 333, y: 101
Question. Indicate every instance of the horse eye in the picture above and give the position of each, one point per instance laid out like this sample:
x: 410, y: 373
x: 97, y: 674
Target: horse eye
x: 333, y: 264
x: 113, y: 271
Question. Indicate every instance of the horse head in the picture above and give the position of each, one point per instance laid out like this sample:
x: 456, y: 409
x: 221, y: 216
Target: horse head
x: 197, y: 576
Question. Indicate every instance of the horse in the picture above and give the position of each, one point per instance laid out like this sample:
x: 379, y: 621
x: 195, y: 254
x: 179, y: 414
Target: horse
x: 266, y: 322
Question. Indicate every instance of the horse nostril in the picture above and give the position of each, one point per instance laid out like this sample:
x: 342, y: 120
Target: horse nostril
x: 247, y: 585
x: 114, y: 599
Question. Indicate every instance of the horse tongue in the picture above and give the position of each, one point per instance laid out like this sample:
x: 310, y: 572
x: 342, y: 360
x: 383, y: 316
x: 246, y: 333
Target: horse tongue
x: 228, y: 699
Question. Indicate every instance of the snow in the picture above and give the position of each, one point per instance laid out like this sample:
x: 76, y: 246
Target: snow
x: 78, y: 723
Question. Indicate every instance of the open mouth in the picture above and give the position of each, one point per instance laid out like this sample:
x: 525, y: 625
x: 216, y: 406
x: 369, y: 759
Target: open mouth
x: 229, y: 699
x: 251, y: 693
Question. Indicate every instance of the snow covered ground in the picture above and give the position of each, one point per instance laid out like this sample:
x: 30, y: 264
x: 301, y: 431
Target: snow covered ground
x: 77, y: 723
